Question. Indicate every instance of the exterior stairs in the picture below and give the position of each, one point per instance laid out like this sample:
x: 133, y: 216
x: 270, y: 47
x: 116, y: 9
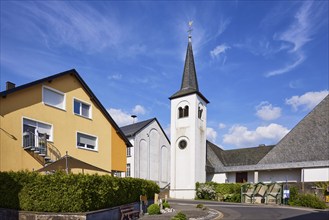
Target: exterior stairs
x: 39, y: 148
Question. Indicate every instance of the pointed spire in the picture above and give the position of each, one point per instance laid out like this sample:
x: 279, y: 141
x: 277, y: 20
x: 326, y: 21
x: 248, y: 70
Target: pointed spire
x: 189, y: 81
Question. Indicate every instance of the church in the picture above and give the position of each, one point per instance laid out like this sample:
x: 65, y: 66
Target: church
x: 301, y: 156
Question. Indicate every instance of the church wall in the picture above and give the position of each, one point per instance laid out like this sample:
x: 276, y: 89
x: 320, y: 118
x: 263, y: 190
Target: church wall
x: 217, y: 177
x: 290, y: 175
x: 152, y: 155
x: 316, y: 174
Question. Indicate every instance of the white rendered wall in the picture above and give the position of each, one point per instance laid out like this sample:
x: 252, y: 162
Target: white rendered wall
x: 187, y: 165
x: 290, y: 175
x: 219, y: 178
x: 152, y: 155
x: 316, y: 174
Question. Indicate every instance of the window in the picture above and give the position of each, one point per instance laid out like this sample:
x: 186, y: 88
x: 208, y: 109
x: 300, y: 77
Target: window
x: 36, y: 128
x: 86, y: 141
x: 128, y: 151
x: 81, y: 108
x: 53, y: 97
x: 183, y: 112
x: 200, y: 110
x: 182, y: 144
x: 128, y: 170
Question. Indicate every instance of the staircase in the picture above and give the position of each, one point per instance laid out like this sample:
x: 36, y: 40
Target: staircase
x: 39, y: 148
x: 164, y: 191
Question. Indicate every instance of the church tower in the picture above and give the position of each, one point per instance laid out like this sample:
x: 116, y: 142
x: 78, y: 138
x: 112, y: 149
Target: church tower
x: 188, y: 133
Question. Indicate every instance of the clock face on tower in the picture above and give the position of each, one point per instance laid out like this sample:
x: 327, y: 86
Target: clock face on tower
x: 182, y: 144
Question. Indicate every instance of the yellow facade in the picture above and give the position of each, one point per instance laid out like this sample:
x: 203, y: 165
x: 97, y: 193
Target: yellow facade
x: 27, y: 103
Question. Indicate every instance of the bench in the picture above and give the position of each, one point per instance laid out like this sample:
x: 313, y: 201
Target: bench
x: 128, y: 212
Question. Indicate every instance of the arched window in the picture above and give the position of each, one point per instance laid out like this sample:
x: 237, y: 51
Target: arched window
x: 180, y: 112
x: 183, y: 112
x: 186, y: 111
x: 200, y: 110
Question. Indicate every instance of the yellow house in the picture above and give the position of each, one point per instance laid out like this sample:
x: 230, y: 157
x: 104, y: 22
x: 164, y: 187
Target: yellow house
x: 43, y: 120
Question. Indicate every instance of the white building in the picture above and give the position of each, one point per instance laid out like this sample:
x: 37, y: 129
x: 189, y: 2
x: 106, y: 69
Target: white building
x: 301, y: 156
x: 149, y: 158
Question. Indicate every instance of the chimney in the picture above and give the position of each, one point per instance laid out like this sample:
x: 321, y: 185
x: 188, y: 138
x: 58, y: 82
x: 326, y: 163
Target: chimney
x: 10, y: 85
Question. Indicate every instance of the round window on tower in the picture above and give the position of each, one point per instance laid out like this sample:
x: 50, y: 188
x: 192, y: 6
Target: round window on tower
x: 182, y: 144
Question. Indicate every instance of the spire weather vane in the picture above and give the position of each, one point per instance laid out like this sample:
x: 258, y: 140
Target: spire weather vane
x: 190, y: 28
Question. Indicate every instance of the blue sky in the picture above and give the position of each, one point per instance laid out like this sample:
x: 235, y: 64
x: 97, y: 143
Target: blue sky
x: 263, y: 65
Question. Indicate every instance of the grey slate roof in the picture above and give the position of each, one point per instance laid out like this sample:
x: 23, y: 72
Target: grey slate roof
x: 189, y: 81
x: 132, y: 129
x: 307, y: 141
x: 306, y: 145
x: 240, y: 157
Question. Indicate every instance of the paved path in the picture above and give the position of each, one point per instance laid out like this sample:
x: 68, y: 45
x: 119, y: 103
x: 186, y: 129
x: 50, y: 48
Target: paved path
x: 232, y: 211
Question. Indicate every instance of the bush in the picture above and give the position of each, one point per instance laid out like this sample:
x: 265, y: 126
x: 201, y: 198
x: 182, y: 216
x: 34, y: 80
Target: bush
x: 228, y: 192
x: 308, y: 200
x: 59, y: 192
x: 153, y: 209
x: 179, y: 216
x: 165, y: 205
x: 206, y: 191
x: 199, y: 206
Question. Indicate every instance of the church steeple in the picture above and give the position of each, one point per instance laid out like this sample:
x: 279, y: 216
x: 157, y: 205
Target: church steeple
x: 189, y: 81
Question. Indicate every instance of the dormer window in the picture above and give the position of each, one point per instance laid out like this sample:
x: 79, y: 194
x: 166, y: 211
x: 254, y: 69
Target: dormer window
x: 183, y: 112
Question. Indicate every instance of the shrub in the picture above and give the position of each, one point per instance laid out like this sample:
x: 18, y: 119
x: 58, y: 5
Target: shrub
x: 153, y: 209
x: 179, y: 216
x: 165, y: 205
x: 228, y: 192
x: 199, y: 206
x: 206, y: 191
x: 308, y: 200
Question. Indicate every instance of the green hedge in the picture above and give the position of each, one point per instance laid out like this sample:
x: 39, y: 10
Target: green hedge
x: 60, y: 192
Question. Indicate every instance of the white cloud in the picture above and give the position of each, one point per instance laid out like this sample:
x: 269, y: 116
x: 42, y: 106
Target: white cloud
x: 211, y: 134
x: 120, y: 117
x: 288, y: 67
x: 220, y: 49
x: 221, y: 125
x: 267, y: 112
x: 240, y: 136
x: 307, y: 101
x: 115, y: 76
x: 139, y: 110
x: 306, y: 21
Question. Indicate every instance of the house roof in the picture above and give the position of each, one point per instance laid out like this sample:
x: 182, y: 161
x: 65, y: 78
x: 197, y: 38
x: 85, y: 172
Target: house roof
x: 132, y: 129
x: 189, y: 81
x: 74, y: 73
x: 240, y: 157
x: 307, y: 141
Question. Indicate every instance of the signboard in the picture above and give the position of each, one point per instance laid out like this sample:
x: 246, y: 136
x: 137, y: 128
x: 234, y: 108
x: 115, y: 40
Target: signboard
x: 286, y: 194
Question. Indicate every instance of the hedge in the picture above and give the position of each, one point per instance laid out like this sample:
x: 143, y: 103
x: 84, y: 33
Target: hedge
x: 59, y: 192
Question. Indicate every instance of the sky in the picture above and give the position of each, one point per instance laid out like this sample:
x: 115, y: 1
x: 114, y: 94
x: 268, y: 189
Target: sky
x: 263, y: 65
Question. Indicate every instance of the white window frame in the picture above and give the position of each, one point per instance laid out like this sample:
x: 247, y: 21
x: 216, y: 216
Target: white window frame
x: 51, y: 135
x: 129, y: 151
x: 82, y: 102
x: 128, y: 171
x: 85, y: 148
x: 55, y: 91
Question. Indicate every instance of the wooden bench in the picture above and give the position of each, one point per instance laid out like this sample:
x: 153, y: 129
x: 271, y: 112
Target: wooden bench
x: 128, y: 212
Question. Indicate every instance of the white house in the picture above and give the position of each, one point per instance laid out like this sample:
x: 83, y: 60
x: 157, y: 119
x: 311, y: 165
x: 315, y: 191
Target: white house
x: 149, y: 158
x: 301, y: 156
